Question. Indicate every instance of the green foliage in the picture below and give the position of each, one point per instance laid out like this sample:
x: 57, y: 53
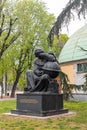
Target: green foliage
x: 63, y: 38
x: 66, y: 86
x: 67, y: 90
x: 22, y: 81
x: 32, y: 22
x: 82, y: 87
x: 58, y: 43
x: 8, y: 33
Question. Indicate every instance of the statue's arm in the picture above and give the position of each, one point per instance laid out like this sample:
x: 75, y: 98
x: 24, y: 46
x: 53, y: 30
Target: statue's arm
x: 47, y: 56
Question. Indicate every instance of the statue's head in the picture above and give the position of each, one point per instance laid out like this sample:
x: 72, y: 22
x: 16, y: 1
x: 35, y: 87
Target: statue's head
x: 38, y: 51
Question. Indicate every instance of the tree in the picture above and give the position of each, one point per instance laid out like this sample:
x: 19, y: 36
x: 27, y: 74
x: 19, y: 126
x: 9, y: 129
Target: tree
x: 33, y: 21
x: 58, y: 43
x: 19, y: 68
x: 2, y: 2
x: 8, y: 35
x: 73, y: 7
x: 34, y: 24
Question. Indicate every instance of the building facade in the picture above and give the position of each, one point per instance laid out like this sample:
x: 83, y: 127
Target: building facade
x: 73, y: 57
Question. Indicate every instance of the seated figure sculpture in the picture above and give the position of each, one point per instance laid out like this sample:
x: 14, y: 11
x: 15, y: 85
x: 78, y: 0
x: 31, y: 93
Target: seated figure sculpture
x: 46, y: 69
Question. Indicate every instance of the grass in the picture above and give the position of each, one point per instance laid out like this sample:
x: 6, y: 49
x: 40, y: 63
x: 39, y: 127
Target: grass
x: 6, y: 106
x: 70, y: 122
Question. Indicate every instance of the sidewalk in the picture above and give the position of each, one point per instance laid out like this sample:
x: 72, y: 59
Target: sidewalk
x: 7, y: 98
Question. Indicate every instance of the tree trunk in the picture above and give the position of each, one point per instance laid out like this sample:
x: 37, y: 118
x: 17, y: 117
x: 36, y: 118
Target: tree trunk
x: 5, y: 83
x: 2, y: 89
x: 15, y: 85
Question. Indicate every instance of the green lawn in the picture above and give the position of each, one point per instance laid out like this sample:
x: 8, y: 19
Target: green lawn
x: 76, y: 121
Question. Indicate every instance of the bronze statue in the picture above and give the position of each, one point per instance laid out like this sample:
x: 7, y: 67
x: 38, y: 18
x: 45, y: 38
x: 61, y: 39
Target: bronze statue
x: 46, y: 69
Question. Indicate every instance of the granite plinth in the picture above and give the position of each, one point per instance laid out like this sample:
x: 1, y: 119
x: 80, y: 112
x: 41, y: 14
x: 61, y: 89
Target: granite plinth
x: 39, y: 104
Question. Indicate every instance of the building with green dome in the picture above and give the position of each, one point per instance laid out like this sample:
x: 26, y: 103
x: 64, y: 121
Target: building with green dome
x: 73, y: 57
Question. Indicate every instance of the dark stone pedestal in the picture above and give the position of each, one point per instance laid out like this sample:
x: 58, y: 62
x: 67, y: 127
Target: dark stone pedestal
x: 39, y: 104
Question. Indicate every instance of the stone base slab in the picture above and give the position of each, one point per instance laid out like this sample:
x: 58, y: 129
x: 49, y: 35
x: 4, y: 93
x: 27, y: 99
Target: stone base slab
x: 39, y: 104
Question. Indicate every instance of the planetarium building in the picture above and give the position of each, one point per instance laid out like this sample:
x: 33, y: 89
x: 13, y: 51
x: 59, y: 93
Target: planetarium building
x: 73, y: 57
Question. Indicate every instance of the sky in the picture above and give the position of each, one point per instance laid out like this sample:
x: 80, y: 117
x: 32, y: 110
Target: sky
x: 55, y: 7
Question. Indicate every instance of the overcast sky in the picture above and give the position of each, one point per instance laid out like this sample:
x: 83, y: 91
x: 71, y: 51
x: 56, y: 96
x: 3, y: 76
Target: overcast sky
x: 56, y: 6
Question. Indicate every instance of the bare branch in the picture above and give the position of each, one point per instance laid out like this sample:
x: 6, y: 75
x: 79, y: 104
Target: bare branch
x: 14, y: 38
x: 6, y: 46
x: 79, y: 6
x: 2, y: 23
x: 10, y: 28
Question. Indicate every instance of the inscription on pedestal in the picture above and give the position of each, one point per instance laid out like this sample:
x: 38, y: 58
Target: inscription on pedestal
x: 33, y: 101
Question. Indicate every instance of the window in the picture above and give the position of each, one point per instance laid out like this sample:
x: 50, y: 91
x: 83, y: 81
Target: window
x: 82, y: 67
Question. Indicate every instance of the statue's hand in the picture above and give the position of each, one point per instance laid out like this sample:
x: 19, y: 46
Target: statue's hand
x: 45, y: 76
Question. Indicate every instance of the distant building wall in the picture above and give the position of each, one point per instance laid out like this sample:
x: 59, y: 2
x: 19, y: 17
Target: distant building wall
x: 74, y: 76
x: 78, y: 77
x: 69, y: 70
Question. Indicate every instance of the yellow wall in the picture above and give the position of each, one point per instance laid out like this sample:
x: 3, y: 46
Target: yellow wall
x: 69, y: 70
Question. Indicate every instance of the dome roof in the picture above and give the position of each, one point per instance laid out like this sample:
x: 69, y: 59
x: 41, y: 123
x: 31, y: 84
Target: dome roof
x: 72, y: 49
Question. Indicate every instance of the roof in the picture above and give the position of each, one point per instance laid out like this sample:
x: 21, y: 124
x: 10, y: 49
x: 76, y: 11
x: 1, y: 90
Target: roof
x: 72, y: 49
